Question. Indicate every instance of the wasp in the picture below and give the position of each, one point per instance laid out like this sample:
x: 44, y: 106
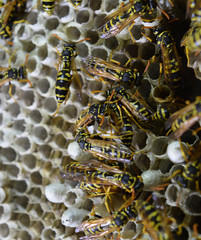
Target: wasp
x: 109, y: 150
x: 99, y: 173
x: 101, y: 68
x: 18, y: 74
x: 97, y: 228
x: 118, y: 20
x: 64, y: 76
x: 92, y: 114
x: 191, y: 171
x: 171, y: 62
x: 133, y: 105
x: 153, y: 220
x: 161, y: 114
x: 122, y: 123
x: 182, y: 120
x: 48, y: 6
x: 10, y: 15
x: 191, y: 39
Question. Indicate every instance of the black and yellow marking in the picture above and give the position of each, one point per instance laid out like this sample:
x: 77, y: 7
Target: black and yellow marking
x: 153, y: 221
x: 102, y: 174
x: 171, y: 62
x: 133, y: 105
x: 189, y: 174
x: 89, y: 116
x: 122, y: 124
x: 117, y: 21
x: 161, y: 114
x: 12, y: 12
x: 182, y: 120
x: 48, y: 6
x: 103, y: 149
x: 101, y: 68
x: 97, y: 228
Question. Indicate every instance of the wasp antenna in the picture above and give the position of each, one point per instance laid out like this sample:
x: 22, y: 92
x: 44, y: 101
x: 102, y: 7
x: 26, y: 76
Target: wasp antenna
x: 85, y: 39
x: 55, y: 35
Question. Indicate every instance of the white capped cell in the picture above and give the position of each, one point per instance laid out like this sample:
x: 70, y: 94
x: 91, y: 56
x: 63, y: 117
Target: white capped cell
x: 56, y: 192
x: 72, y: 217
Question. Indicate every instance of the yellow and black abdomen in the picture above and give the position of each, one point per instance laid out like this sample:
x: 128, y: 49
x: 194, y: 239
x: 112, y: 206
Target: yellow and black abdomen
x: 63, y: 82
x: 48, y: 6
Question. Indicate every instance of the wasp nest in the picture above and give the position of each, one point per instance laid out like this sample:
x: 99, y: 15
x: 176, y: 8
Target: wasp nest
x: 34, y: 202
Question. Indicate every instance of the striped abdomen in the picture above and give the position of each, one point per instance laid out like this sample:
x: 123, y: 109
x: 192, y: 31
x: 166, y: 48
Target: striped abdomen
x: 48, y: 6
x: 63, y: 82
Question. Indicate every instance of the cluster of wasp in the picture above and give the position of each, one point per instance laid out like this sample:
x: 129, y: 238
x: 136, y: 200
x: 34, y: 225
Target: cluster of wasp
x: 106, y: 129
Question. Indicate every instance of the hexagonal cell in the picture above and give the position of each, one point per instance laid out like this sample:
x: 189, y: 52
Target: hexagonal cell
x: 29, y: 161
x: 20, y: 185
x: 23, y: 144
x: 50, y: 105
x: 51, y: 23
x: 192, y: 204
x: 21, y: 202
x: 8, y: 230
x: 48, y: 233
x: 40, y: 133
x: 13, y: 170
x: 73, y: 33
x: 19, y: 125
x: 35, y: 116
x: 154, y: 71
x: 36, y: 178
x: 93, y: 35
x: 45, y: 150
x: 31, y: 64
x: 143, y: 162
x: 35, y: 210
x: 37, y: 227
x: 159, y: 146
x: 83, y: 16
x: 28, y: 46
x: 60, y: 140
x: 83, y: 49
x: 42, y: 52
x: 32, y: 18
x: 28, y: 97
x: 24, y: 220
x: 147, y: 50
x: 24, y: 235
x: 111, y: 5
x: 111, y: 43
x: 99, y: 52
x: 70, y: 111
x: 162, y: 94
x: 137, y: 31
x: 8, y: 154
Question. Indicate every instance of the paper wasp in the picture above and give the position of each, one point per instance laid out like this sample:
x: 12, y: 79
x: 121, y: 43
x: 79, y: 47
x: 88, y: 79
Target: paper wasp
x: 18, y: 74
x: 99, y: 173
x: 64, y: 76
x: 182, y: 120
x: 101, y: 68
x: 153, y: 220
x: 109, y: 150
x: 118, y: 20
x: 191, y: 39
x: 171, y: 61
x: 95, y: 229
x: 12, y: 11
